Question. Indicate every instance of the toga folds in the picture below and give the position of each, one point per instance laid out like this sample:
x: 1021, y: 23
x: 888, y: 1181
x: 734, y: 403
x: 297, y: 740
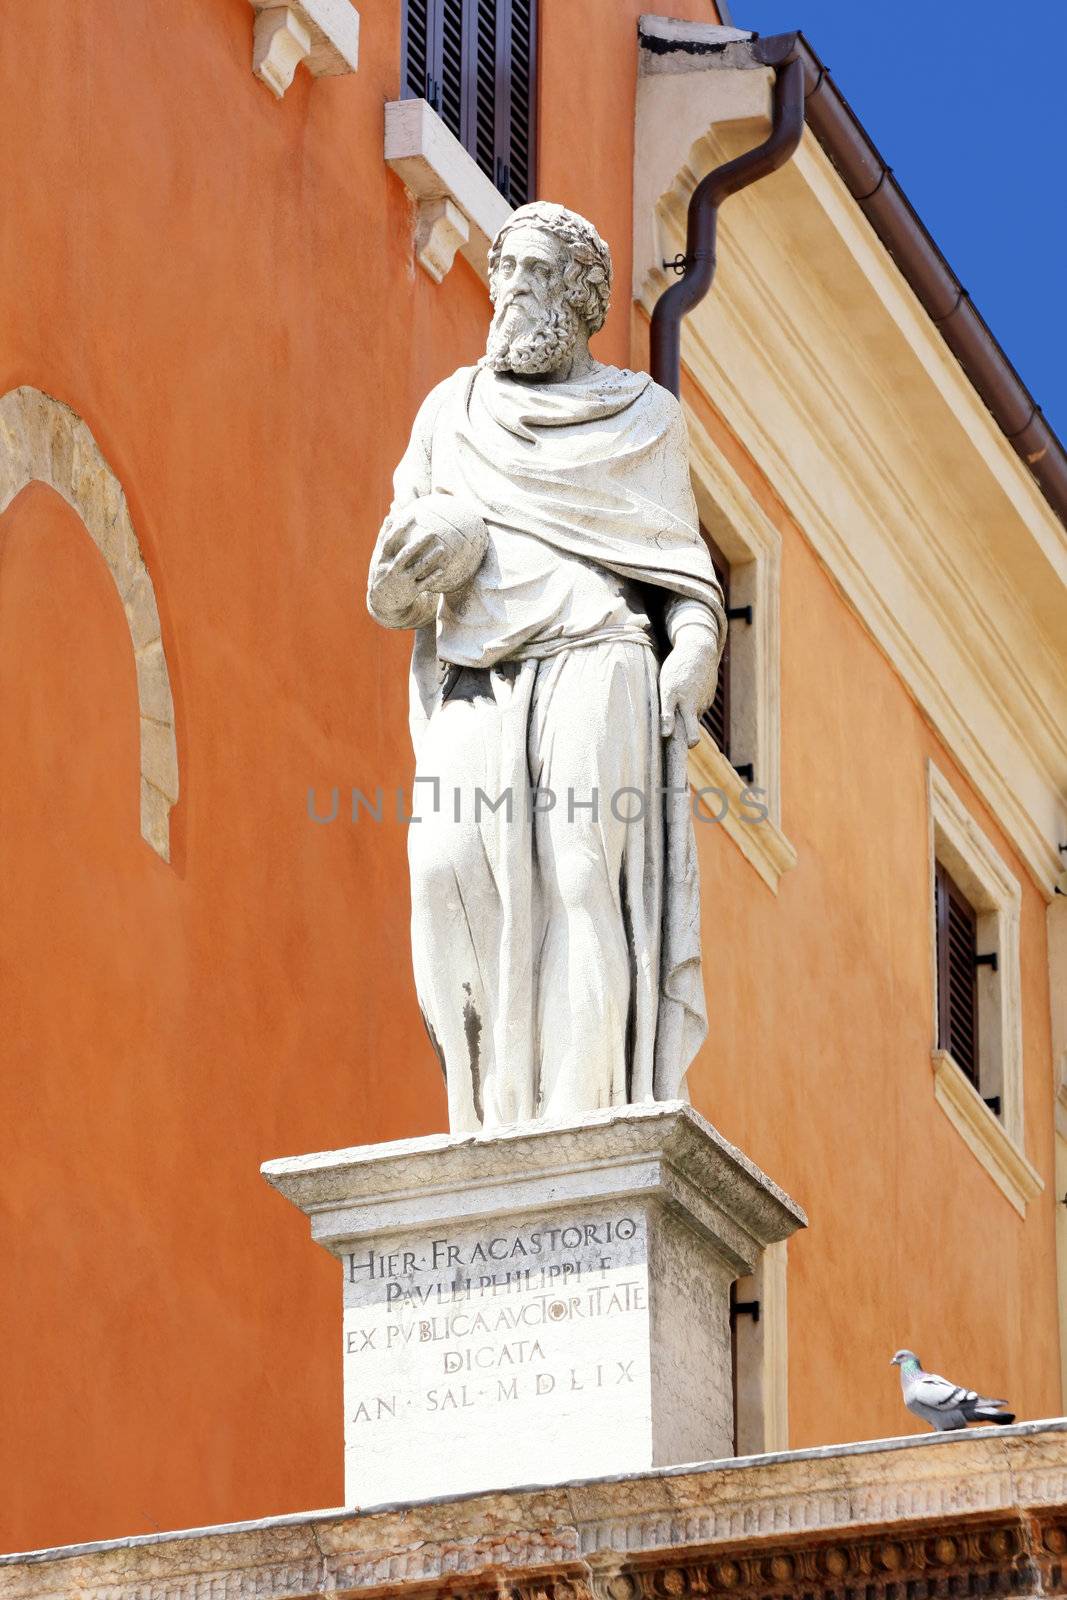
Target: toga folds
x: 555, y: 936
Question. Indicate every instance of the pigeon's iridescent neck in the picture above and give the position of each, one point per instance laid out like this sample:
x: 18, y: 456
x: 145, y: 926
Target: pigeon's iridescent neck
x: 909, y: 1366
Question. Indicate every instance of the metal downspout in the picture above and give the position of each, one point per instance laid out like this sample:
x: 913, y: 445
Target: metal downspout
x: 703, y: 216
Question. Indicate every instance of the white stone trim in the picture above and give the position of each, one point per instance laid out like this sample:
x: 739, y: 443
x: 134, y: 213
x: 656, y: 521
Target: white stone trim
x: 775, y: 1348
x: 678, y: 95
x: 984, y: 1134
x: 42, y: 439
x: 435, y: 168
x: 1061, y: 1253
x: 762, y: 1422
x: 753, y: 547
x: 324, y: 34
x: 759, y: 840
x: 956, y: 841
x: 1056, y: 923
x: 823, y: 364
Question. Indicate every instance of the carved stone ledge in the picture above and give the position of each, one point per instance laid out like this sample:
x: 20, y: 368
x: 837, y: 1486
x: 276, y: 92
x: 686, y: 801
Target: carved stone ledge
x: 324, y: 34
x: 458, y: 208
x: 930, y: 1517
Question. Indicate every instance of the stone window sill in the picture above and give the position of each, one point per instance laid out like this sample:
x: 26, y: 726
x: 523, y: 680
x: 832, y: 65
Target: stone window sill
x: 763, y: 844
x: 458, y: 208
x: 984, y: 1134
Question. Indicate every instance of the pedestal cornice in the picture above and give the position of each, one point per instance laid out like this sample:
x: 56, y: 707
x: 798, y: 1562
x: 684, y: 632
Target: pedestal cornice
x: 662, y: 1146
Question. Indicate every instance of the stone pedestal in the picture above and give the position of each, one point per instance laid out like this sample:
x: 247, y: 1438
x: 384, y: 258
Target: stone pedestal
x: 546, y: 1303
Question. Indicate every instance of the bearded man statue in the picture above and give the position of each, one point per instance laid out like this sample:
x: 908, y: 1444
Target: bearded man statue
x: 555, y: 897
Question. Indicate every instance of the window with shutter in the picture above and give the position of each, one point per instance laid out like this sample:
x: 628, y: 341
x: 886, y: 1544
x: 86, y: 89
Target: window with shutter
x: 717, y: 717
x: 475, y: 61
x: 977, y: 1016
x: 957, y: 976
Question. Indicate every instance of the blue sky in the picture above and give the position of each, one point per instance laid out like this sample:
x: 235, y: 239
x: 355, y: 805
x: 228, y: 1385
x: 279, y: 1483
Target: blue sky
x: 965, y: 99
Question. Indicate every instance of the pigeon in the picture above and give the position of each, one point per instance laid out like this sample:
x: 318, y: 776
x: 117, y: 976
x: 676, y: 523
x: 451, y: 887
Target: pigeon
x: 943, y: 1405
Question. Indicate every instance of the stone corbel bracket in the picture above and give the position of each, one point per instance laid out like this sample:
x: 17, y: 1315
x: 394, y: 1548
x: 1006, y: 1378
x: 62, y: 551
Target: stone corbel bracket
x: 324, y: 34
x: 458, y: 208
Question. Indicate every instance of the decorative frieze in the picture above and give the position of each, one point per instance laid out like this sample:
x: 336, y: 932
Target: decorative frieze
x: 989, y: 1558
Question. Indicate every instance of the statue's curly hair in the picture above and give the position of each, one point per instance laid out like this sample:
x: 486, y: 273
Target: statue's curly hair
x: 587, y: 276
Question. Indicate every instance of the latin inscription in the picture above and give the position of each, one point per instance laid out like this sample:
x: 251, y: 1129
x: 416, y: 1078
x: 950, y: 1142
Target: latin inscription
x: 443, y: 1255
x: 541, y: 1321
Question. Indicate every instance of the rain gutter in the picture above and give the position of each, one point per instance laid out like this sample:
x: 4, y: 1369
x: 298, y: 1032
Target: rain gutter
x: 698, y: 264
x: 872, y: 185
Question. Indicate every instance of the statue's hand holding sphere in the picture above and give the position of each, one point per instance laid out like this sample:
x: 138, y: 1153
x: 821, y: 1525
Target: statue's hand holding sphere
x: 436, y: 547
x: 452, y: 541
x: 687, y: 681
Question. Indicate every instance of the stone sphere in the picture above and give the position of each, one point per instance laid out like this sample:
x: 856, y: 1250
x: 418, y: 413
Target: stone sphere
x: 461, y: 531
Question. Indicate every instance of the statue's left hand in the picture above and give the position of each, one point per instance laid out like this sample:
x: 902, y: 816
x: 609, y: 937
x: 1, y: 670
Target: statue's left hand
x: 687, y: 681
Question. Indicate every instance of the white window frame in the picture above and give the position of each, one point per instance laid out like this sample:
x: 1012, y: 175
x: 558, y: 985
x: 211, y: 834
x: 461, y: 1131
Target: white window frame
x: 752, y: 546
x: 761, y: 1424
x: 957, y: 842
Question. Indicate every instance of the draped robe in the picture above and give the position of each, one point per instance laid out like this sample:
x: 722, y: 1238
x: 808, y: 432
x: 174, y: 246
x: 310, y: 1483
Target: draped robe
x: 594, y: 470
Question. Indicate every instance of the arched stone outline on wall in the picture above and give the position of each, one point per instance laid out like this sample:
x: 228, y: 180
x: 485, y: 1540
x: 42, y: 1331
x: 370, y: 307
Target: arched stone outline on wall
x: 42, y: 439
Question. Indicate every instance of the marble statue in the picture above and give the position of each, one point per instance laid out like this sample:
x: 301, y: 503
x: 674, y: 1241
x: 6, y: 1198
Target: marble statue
x: 543, y: 545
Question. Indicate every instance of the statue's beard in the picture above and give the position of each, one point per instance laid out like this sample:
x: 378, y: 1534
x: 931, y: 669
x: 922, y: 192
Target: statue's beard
x: 528, y: 342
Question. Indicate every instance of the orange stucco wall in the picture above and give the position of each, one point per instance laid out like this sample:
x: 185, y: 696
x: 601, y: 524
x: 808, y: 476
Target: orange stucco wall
x: 222, y: 286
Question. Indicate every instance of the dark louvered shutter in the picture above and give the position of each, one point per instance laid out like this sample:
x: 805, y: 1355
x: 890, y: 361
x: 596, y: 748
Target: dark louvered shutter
x: 717, y: 717
x: 957, y: 975
x: 475, y: 62
x: 418, y: 52
x: 519, y: 40
x: 453, y: 24
x: 435, y: 65
x: 482, y: 138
